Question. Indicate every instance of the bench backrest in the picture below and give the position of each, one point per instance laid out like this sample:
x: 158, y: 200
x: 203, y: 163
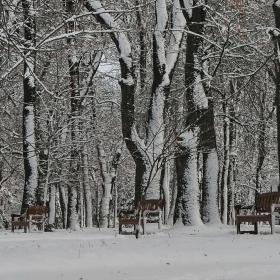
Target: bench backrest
x: 152, y: 204
x: 265, y: 200
x: 36, y: 210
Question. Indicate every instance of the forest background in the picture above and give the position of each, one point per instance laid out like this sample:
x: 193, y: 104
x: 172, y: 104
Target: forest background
x: 107, y: 103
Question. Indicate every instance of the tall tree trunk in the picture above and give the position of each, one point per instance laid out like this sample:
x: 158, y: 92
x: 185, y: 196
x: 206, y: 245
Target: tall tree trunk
x: 187, y: 206
x: 232, y: 163
x: 209, y: 205
x: 224, y: 185
x: 29, y: 152
x: 87, y: 190
x: 148, y: 155
x: 174, y: 196
x: 72, y: 217
x: 109, y: 174
x: 52, y: 203
x: 165, y: 189
x: 63, y: 204
x: 276, y: 40
x: 261, y: 141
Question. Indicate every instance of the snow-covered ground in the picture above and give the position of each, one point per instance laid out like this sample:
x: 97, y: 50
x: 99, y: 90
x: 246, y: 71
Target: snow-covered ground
x: 180, y: 253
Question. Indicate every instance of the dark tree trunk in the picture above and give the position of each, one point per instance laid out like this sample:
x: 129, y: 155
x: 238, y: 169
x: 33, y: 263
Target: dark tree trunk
x: 150, y: 153
x: 276, y: 10
x: 63, y: 204
x: 232, y: 164
x: 224, y: 186
x: 261, y: 141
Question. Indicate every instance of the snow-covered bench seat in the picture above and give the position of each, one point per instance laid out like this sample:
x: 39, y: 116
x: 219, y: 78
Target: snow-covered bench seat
x: 266, y: 209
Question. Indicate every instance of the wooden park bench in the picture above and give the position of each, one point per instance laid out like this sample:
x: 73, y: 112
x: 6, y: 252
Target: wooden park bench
x: 266, y: 209
x: 34, y: 215
x: 149, y: 211
x: 130, y: 217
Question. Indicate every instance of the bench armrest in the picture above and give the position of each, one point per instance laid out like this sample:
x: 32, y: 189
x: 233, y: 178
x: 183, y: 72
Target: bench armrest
x: 275, y: 206
x: 13, y: 216
x: 127, y: 214
x: 237, y: 208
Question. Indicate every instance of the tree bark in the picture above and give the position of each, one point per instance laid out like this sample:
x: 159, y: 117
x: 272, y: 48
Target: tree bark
x: 52, y: 203
x: 148, y: 155
x: 72, y: 218
x: 63, y: 205
x: 109, y: 174
x: 224, y: 185
x: 29, y: 152
x: 87, y: 190
x: 187, y: 206
x: 276, y: 40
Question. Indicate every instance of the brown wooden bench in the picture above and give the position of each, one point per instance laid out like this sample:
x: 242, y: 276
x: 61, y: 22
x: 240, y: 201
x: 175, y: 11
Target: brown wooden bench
x: 151, y: 211
x: 34, y: 215
x: 130, y: 217
x: 266, y: 209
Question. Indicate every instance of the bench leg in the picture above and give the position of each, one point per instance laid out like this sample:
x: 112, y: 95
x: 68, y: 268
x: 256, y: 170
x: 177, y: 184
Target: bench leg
x: 238, y: 227
x: 272, y: 224
x: 159, y: 221
x: 256, y: 228
x: 144, y: 224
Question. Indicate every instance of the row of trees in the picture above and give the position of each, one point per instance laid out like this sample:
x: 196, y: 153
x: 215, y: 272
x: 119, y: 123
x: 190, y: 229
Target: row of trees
x: 104, y: 114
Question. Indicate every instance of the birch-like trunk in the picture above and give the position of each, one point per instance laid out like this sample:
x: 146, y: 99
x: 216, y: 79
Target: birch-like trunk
x: 52, y: 203
x: 187, y: 208
x: 109, y: 174
x: 87, y: 190
x: 29, y: 151
x: 73, y: 62
x: 187, y: 205
x: 210, y: 185
x: 209, y: 205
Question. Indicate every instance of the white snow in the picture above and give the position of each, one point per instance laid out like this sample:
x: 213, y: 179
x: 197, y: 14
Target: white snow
x: 31, y: 153
x: 181, y: 253
x: 188, y: 7
x: 277, y: 3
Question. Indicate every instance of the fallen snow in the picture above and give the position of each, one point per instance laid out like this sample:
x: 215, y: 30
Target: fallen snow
x: 180, y: 253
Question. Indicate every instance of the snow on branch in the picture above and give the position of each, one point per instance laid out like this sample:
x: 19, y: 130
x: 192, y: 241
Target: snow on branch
x: 178, y: 25
x: 161, y: 18
x: 187, y: 7
x: 273, y: 32
x: 119, y: 38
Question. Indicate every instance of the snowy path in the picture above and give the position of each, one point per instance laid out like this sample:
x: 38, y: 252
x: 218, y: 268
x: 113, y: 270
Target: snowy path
x: 176, y: 254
